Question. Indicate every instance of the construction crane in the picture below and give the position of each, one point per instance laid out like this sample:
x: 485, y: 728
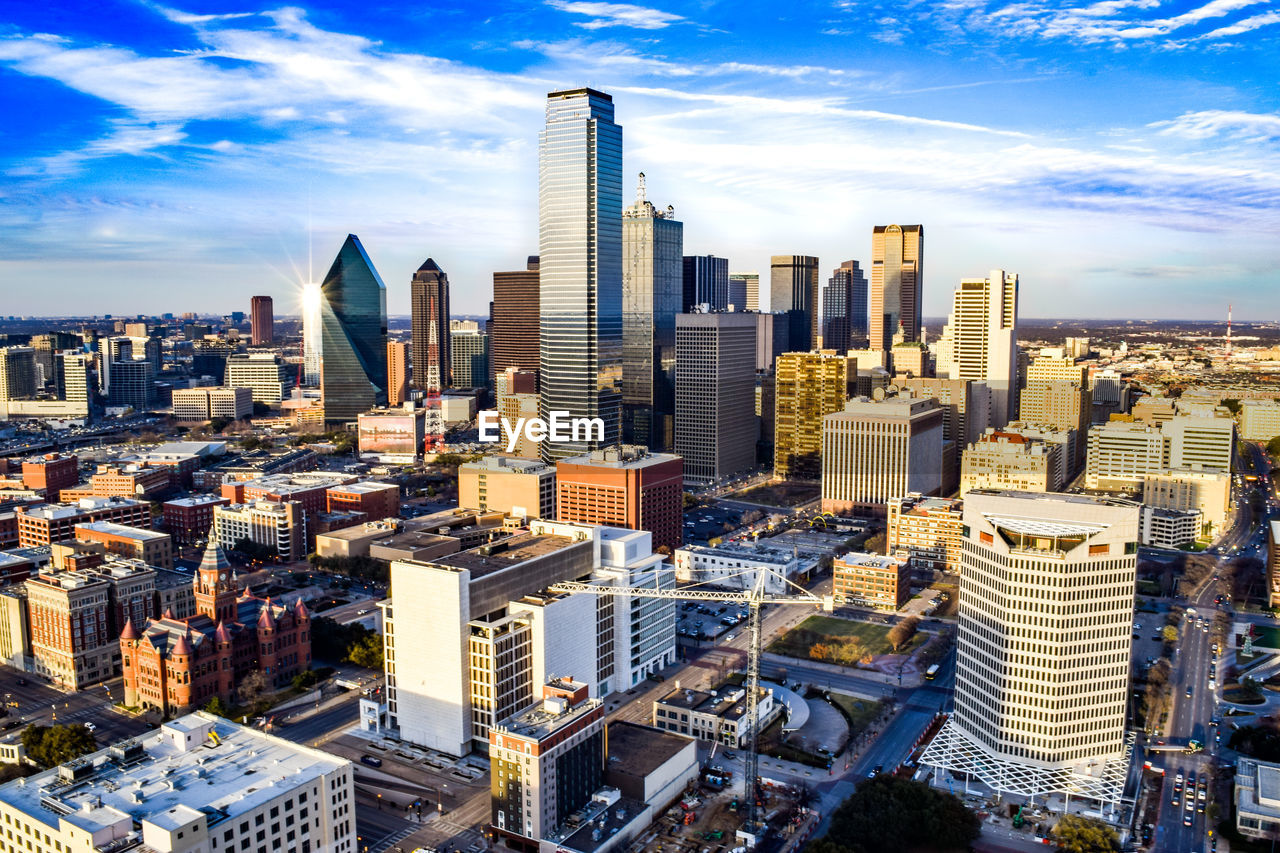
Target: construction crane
x: 755, y: 598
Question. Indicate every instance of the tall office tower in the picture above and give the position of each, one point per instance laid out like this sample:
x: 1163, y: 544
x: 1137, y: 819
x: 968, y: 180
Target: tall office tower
x: 17, y: 373
x: 397, y: 372
x: 261, y: 371
x: 353, y: 312
x: 652, y: 244
x: 1060, y: 404
x: 793, y: 288
x: 1035, y: 716
x: 514, y: 340
x: 429, y: 301
x: 469, y: 356
x: 312, y: 337
x: 624, y: 486
x: 706, y: 282
x: 808, y: 386
x: 877, y: 450
x: 261, y: 320
x: 844, y: 309
x: 72, y: 377
x: 113, y: 349
x: 980, y: 341
x: 132, y: 385
x: 897, y: 279
x: 580, y: 267
x: 748, y: 285
x: 716, y: 425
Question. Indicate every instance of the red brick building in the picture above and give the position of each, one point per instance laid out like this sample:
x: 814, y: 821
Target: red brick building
x: 49, y: 523
x: 624, y: 486
x: 51, y: 473
x: 178, y: 665
x: 188, y: 519
x: 126, y: 482
x: 376, y: 500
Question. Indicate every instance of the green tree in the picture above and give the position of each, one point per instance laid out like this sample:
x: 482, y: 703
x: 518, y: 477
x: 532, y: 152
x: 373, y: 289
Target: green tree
x: 49, y: 746
x: 1076, y: 834
x: 217, y: 706
x: 1170, y: 634
x: 1273, y: 447
x: 305, y: 679
x: 367, y: 652
x: 890, y: 813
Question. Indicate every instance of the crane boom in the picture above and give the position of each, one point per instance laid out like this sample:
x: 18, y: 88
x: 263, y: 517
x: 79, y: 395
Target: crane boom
x: 755, y: 599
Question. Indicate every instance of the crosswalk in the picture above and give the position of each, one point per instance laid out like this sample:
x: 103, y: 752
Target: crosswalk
x: 386, y: 842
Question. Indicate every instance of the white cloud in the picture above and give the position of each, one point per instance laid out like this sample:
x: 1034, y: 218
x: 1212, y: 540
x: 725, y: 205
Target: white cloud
x: 616, y: 15
x: 1233, y: 123
x: 1244, y: 26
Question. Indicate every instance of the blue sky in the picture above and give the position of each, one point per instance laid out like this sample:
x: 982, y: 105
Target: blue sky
x: 1122, y: 156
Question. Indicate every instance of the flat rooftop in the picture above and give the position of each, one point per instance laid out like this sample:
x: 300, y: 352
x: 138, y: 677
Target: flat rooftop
x: 170, y: 775
x: 197, y: 500
x: 539, y: 721
x: 609, y: 818
x: 639, y: 750
x: 122, y: 530
x: 54, y: 512
x: 365, y: 487
x: 506, y: 553
x: 775, y: 556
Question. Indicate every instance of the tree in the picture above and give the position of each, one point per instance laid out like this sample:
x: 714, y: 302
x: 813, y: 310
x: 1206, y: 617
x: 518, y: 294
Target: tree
x: 49, y: 746
x: 217, y: 706
x: 1273, y: 447
x: 890, y: 813
x: 901, y: 634
x: 1076, y: 834
x: 689, y: 501
x: 367, y: 652
x: 251, y: 687
x: 1232, y: 404
x: 1170, y: 634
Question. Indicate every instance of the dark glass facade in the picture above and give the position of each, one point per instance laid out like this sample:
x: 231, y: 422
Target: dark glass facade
x: 706, y: 282
x: 793, y: 288
x: 844, y: 309
x: 429, y: 302
x: 353, y: 324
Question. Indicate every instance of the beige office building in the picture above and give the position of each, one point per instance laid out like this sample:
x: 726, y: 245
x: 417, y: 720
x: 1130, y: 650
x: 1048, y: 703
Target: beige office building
x: 1259, y: 420
x: 926, y: 531
x: 874, y: 451
x: 520, y: 487
x: 1006, y: 460
x: 261, y: 372
x: 1200, y: 442
x: 1121, y: 454
x: 966, y: 413
x: 1190, y: 488
x: 980, y: 340
x: 808, y: 386
x: 897, y: 282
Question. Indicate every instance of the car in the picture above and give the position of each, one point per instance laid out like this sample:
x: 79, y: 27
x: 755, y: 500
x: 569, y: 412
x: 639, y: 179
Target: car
x: 730, y: 637
x: 22, y: 682
x: 1188, y: 692
x: 91, y: 727
x: 371, y: 761
x: 1186, y: 819
x: 730, y: 754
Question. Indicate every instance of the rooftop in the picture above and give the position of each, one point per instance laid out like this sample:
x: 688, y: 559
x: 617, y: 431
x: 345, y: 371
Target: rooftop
x: 621, y: 456
x: 283, y: 484
x: 546, y: 718
x: 147, y: 779
x: 54, y: 512
x: 596, y: 823
x: 122, y: 530
x: 364, y: 487
x: 506, y: 553
x: 639, y: 750
x: 196, y: 500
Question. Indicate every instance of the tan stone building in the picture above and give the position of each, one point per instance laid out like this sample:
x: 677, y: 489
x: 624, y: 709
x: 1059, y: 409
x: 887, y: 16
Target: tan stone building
x: 926, y: 531
x: 1004, y: 460
x: 519, y: 487
x: 149, y: 546
x: 1189, y: 488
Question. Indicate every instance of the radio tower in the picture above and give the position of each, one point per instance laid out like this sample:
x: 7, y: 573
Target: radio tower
x: 434, y: 426
x: 1228, y: 330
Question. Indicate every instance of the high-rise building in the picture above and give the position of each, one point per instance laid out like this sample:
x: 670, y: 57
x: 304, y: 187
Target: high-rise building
x: 17, y: 373
x: 397, y: 372
x: 1034, y: 716
x: 72, y: 377
x: 652, y: 243
x: 1200, y: 442
x: 518, y: 487
x: 514, y: 339
x: 897, y: 282
x: 1121, y: 454
x: 261, y: 372
x: 261, y: 320
x: 927, y: 532
x: 793, y: 288
x: 469, y: 357
x: 132, y: 385
x: 429, y: 302
x: 876, y: 450
x: 966, y: 408
x: 808, y: 386
x: 312, y: 334
x: 1003, y: 461
x: 580, y: 265
x: 980, y: 341
x: 844, y: 309
x: 112, y: 350
x: 353, y: 311
x: 706, y: 282
x: 716, y: 425
x: 745, y: 286
x: 106, y: 807
x: 624, y: 486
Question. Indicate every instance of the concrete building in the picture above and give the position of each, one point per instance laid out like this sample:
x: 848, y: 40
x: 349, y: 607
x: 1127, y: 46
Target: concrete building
x: 1003, y: 460
x: 718, y: 715
x: 1035, y: 716
x: 715, y: 421
x: 520, y: 487
x: 624, y: 486
x: 1257, y: 798
x: 736, y: 565
x: 877, y: 450
x: 1209, y: 492
x: 469, y: 358
x: 545, y: 763
x: 1058, y: 403
x: 966, y: 414
x: 188, y: 519
x: 1070, y: 441
x: 71, y: 639
x: 748, y: 285
x: 513, y: 342
x: 1200, y: 442
x: 149, y: 546
x: 871, y: 580
x: 897, y: 284
x: 1122, y: 453
x: 1169, y: 528
x: 808, y: 386
x: 648, y: 764
x: 980, y: 340
x: 375, y: 500
x: 397, y: 372
x: 262, y: 373
x: 49, y: 523
x: 182, y: 788
x: 280, y: 525
x: 1153, y: 411
x: 926, y: 531
x: 1259, y: 420
x: 203, y: 404
x: 261, y: 320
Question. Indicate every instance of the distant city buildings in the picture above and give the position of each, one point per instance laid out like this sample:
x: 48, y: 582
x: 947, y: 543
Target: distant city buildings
x: 897, y: 284
x: 429, y: 303
x: 980, y: 341
x: 469, y: 358
x: 353, y: 336
x: 261, y: 320
x: 745, y: 286
x: 705, y: 283
x: 844, y: 309
x: 715, y: 421
x: 513, y: 342
x: 397, y: 372
x: 794, y: 297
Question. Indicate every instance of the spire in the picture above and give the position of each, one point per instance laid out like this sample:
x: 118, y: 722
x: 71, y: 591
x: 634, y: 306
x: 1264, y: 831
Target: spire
x: 214, y: 560
x: 222, y: 634
x: 168, y: 613
x: 128, y: 632
x: 300, y: 610
x: 266, y: 618
x: 640, y: 191
x: 180, y: 646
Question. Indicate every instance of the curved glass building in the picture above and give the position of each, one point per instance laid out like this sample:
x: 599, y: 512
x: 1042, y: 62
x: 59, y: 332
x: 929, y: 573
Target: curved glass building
x: 353, y: 333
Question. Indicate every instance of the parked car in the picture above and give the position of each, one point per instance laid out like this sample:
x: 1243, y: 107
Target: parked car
x: 371, y: 761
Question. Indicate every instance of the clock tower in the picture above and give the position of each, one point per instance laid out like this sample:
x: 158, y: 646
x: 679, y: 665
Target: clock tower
x: 215, y: 585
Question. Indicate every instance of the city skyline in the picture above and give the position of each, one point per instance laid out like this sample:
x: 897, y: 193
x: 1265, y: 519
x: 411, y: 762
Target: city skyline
x: 187, y: 145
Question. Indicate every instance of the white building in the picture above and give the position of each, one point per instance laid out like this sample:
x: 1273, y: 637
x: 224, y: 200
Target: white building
x: 1169, y: 528
x: 198, y: 784
x: 736, y: 566
x: 1209, y: 492
x: 202, y: 404
x: 1043, y: 645
x: 1259, y: 420
x: 261, y: 372
x: 1200, y: 442
x: 1121, y: 454
x: 980, y: 340
x: 273, y: 524
x: 877, y: 450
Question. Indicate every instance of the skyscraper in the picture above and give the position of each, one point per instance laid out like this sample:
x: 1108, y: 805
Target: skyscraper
x: 261, y: 320
x: 844, y: 309
x: 652, y: 243
x: 1043, y: 645
x: 353, y: 335
x: 580, y: 268
x: 793, y: 288
x: 716, y: 424
x: 744, y: 286
x: 980, y: 341
x: 809, y: 386
x: 397, y: 372
x: 897, y: 277
x: 514, y: 340
x: 706, y: 282
x: 429, y: 302
x: 469, y: 355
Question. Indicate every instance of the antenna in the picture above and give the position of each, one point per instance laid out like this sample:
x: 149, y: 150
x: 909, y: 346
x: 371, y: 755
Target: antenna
x: 640, y: 195
x: 1228, y: 330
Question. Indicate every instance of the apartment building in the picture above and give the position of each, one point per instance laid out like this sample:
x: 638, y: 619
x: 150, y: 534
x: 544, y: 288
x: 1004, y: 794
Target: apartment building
x: 926, y: 531
x: 49, y: 523
x: 1006, y: 460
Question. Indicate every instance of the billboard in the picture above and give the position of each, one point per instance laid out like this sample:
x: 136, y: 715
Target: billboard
x: 400, y: 434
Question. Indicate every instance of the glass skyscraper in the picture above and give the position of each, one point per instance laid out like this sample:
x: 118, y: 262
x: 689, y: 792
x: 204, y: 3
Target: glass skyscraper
x: 844, y: 309
x: 353, y: 335
x: 580, y: 272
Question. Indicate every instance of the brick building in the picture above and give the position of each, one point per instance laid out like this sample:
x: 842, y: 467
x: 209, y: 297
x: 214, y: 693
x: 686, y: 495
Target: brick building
x: 51, y: 473
x: 124, y: 481
x: 375, y: 500
x: 624, y: 486
x: 870, y: 580
x: 175, y: 665
x: 149, y: 546
x: 49, y: 523
x: 188, y: 519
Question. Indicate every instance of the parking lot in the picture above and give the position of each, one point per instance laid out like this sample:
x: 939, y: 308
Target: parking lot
x: 703, y: 523
x: 701, y: 620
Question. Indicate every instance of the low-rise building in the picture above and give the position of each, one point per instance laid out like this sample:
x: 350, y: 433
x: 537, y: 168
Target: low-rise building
x: 1190, y: 488
x: 188, y: 519
x: 1008, y: 461
x: 186, y: 787
x: 149, y: 546
x: 1168, y: 528
x: 871, y: 580
x: 735, y: 565
x: 279, y: 525
x: 204, y: 404
x: 508, y: 484
x: 49, y: 523
x: 1257, y: 798
x: 375, y: 500
x: 715, y: 715
x: 927, y: 531
x: 51, y: 473
x: 648, y: 764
